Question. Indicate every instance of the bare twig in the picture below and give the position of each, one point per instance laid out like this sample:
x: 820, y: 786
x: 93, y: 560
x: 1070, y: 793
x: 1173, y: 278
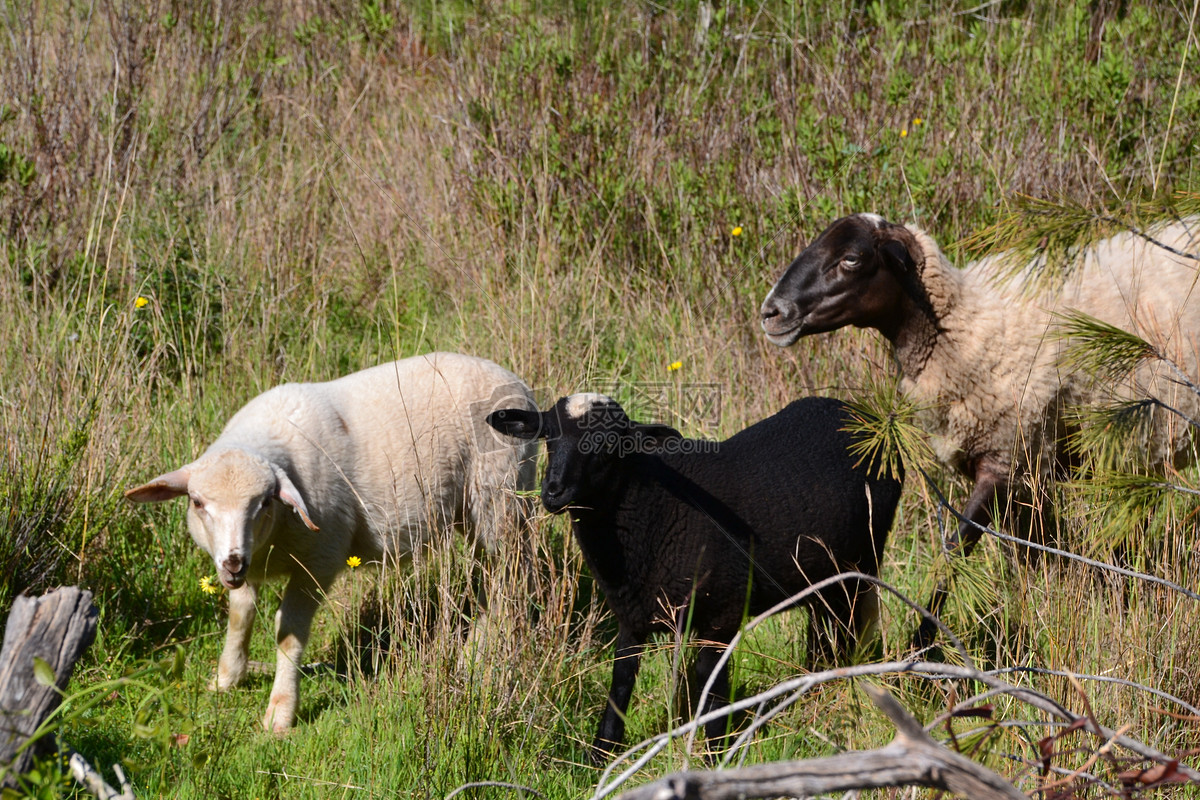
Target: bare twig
x: 943, y: 502
x: 913, y: 758
x: 925, y: 669
x: 796, y: 598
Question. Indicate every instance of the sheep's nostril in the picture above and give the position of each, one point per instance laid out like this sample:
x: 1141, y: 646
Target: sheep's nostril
x: 234, y: 565
x: 773, y: 313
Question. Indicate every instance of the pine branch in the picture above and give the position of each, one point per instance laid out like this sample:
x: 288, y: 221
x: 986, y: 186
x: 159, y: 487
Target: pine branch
x: 886, y: 436
x: 1101, y: 349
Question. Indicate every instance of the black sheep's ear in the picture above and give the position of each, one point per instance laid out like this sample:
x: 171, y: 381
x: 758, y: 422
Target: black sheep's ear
x: 519, y: 422
x: 655, y: 433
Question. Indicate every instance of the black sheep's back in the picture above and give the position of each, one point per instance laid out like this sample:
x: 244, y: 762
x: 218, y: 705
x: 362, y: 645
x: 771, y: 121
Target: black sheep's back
x: 782, y: 492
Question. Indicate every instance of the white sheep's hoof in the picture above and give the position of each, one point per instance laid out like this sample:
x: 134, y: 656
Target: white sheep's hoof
x: 280, y: 716
x: 223, y: 682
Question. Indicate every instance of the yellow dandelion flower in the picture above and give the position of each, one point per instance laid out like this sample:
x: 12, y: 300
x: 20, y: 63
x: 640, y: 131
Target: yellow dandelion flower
x: 918, y: 121
x: 737, y: 231
x: 903, y: 132
x: 140, y: 302
x: 207, y: 586
x: 674, y: 365
x: 353, y: 562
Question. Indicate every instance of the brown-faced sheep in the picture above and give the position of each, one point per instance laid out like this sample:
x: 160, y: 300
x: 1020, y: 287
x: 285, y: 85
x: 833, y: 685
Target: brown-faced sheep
x: 980, y: 351
x: 371, y: 464
x: 681, y: 532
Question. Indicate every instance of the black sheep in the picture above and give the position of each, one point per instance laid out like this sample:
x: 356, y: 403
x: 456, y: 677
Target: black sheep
x: 712, y: 531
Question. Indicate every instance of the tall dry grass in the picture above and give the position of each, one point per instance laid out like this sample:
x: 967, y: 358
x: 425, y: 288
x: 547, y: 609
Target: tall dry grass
x: 299, y: 190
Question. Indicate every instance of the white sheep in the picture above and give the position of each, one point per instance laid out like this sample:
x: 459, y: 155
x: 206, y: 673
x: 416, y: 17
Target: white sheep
x: 371, y: 465
x: 981, y: 349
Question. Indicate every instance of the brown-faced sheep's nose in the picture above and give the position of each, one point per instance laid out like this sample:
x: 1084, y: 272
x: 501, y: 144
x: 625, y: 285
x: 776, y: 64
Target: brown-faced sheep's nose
x: 776, y: 317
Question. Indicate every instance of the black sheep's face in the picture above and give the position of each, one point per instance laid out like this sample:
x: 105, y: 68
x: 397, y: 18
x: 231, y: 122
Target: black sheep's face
x: 577, y: 432
x: 850, y: 275
x: 587, y: 437
x: 574, y: 478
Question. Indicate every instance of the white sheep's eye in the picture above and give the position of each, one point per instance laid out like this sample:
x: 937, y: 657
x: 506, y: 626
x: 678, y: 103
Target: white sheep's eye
x: 197, y: 504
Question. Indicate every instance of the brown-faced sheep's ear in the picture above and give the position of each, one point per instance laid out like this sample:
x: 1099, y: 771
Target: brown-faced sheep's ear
x: 897, y: 247
x: 287, y: 492
x: 521, y: 423
x: 167, y: 486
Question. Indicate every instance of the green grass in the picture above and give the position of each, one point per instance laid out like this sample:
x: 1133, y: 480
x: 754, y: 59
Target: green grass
x: 298, y: 193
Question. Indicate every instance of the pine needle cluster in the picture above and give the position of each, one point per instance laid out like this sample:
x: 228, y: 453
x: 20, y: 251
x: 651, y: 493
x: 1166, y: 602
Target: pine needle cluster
x: 883, y: 422
x: 1131, y: 506
x: 1041, y: 237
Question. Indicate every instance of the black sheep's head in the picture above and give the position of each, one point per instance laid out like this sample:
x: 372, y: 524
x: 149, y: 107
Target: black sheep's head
x: 589, y: 438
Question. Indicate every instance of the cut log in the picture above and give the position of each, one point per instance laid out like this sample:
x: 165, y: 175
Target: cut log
x: 54, y: 629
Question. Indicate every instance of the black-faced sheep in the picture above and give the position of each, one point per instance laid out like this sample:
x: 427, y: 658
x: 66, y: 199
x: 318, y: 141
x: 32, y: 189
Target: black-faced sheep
x: 371, y: 464
x: 980, y: 350
x: 682, y: 531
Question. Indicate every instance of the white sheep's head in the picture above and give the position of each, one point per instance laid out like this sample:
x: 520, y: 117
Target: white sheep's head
x: 587, y: 437
x: 229, y: 495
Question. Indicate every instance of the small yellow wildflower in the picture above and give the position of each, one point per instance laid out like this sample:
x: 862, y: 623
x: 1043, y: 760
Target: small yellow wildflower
x: 674, y: 365
x: 737, y: 231
x: 353, y: 562
x: 903, y: 132
x: 918, y: 121
x: 207, y: 586
x: 140, y: 302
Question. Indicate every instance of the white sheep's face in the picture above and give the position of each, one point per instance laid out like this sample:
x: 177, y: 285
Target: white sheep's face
x: 229, y: 499
x: 229, y: 505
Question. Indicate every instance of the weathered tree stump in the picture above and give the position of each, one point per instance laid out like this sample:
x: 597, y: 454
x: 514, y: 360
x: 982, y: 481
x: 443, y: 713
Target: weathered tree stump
x: 56, y: 628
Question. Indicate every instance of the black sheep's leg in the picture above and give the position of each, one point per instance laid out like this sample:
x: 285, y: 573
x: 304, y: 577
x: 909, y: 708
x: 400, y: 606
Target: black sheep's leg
x: 841, y: 617
x: 625, y: 669
x: 706, y: 662
x: 989, y: 483
x: 830, y: 626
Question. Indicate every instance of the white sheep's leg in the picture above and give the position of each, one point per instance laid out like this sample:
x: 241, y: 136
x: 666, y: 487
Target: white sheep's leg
x: 231, y: 668
x: 293, y: 622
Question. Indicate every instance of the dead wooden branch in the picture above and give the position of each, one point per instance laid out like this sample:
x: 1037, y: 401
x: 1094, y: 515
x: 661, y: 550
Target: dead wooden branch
x: 94, y: 782
x: 44, y: 638
x: 913, y: 758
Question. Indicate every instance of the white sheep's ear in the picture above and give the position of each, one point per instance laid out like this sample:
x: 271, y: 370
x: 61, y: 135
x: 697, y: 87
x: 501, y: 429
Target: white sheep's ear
x: 287, y: 492
x: 519, y: 422
x: 167, y: 486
